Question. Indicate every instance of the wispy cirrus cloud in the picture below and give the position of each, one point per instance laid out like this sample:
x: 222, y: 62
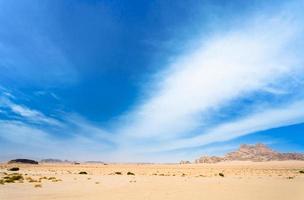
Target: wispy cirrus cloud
x: 29, y: 132
x: 26, y: 113
x: 261, y: 56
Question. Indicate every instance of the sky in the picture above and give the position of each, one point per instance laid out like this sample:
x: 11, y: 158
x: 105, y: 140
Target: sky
x: 149, y: 81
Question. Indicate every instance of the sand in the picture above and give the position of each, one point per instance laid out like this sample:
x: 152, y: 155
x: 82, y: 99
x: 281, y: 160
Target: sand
x: 242, y: 180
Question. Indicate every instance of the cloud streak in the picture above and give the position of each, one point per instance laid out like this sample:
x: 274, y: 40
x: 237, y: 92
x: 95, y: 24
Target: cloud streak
x: 258, y: 56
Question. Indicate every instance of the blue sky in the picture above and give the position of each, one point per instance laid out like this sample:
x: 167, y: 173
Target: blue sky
x: 156, y: 81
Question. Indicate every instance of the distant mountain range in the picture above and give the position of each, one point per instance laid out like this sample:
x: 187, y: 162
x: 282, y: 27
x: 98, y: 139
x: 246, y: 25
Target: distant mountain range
x: 256, y: 153
x: 52, y: 160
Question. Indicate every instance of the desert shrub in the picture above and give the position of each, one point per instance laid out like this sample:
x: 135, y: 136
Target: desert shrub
x: 301, y: 171
x: 12, y: 178
x: 118, y: 173
x: 31, y: 180
x: 221, y: 174
x: 16, y: 177
x: 14, y: 169
x: 83, y: 173
x: 38, y: 186
x: 130, y: 173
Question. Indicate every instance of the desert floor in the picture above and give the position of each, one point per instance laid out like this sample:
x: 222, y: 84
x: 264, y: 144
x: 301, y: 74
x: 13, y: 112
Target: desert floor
x: 242, y: 180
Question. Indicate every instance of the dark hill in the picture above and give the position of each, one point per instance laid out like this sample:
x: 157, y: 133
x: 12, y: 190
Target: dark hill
x: 23, y: 161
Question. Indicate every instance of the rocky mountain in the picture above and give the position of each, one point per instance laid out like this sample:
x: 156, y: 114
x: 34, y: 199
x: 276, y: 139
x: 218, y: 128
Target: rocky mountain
x: 257, y: 153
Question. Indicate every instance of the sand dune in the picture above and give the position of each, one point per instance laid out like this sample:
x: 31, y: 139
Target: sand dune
x: 278, y: 180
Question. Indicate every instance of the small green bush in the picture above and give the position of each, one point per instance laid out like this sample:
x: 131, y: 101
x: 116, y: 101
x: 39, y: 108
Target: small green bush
x: 38, y: 186
x: 221, y: 174
x: 301, y: 171
x: 118, y: 173
x: 84, y: 173
x: 130, y: 173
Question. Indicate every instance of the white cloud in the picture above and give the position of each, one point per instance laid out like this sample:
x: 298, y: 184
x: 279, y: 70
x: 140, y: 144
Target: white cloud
x: 250, y: 58
x: 82, y: 140
x: 259, y: 121
x: 32, y: 115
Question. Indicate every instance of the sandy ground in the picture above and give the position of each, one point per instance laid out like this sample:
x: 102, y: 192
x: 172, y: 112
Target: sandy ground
x: 241, y: 181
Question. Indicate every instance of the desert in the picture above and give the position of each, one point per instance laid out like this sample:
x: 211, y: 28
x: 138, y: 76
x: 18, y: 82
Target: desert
x: 152, y: 100
x: 233, y: 180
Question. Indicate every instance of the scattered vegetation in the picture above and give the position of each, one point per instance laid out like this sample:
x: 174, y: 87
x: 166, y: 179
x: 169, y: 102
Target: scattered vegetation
x: 38, y: 186
x: 290, y: 177
x: 221, y: 174
x: 83, y: 172
x: 11, y: 178
x: 53, y: 179
x: 130, y: 173
x: 31, y: 180
x: 14, y: 169
x: 43, y: 178
x: 301, y: 171
x: 118, y: 173
x: 16, y: 177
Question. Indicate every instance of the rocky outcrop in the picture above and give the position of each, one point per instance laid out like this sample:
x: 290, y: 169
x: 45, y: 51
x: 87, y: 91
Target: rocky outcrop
x: 257, y: 153
x: 23, y: 161
x: 183, y: 162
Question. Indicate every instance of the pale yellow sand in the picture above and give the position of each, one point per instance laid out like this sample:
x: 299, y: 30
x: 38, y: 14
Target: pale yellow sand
x: 242, y: 181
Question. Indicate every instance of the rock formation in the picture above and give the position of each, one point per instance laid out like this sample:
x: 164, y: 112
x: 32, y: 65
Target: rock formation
x: 257, y: 153
x: 183, y: 162
x: 23, y: 161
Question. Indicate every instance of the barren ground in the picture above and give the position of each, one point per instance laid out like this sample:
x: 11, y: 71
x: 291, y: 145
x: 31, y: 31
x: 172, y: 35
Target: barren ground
x: 242, y: 181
